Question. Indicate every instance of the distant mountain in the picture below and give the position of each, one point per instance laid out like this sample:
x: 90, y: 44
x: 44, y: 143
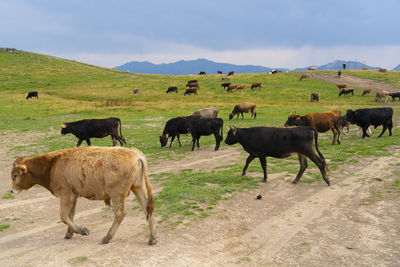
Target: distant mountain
x: 184, y: 67
x: 397, y: 68
x: 337, y: 65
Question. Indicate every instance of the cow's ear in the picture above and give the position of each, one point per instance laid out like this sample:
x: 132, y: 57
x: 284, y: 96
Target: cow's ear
x: 22, y: 168
x: 17, y: 161
x: 64, y: 125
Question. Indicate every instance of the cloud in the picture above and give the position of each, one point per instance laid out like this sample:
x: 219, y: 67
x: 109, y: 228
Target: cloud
x: 285, y: 57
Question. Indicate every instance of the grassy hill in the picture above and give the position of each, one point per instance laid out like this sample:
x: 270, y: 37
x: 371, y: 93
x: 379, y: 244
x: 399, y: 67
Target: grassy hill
x: 70, y: 90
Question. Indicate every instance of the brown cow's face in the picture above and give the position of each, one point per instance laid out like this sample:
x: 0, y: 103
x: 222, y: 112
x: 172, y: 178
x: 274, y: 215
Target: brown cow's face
x: 20, y: 177
x: 292, y: 120
x: 231, y: 115
x: 163, y: 140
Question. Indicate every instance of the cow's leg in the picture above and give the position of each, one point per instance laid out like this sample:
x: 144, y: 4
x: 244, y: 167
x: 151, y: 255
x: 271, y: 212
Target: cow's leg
x: 79, y: 142
x: 217, y: 140
x: 390, y: 126
x: 88, y: 142
x: 141, y: 194
x: 364, y: 129
x: 120, y: 140
x: 338, y: 134
x: 385, y: 126
x: 198, y: 142
x: 334, y: 135
x: 193, y: 142
x: 179, y: 140
x: 303, y: 167
x: 172, y: 140
x: 70, y: 231
x: 320, y: 164
x: 248, y: 160
x: 263, y: 161
x: 114, y: 141
x: 242, y: 115
x: 67, y: 203
x: 119, y: 214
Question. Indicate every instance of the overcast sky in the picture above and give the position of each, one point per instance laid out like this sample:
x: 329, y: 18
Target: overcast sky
x: 278, y: 33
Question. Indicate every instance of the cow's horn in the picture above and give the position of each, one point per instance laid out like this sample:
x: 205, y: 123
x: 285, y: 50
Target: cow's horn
x: 63, y: 126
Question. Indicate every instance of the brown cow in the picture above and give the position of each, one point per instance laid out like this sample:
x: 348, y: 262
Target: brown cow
x: 366, y: 91
x: 245, y: 107
x: 305, y: 76
x: 96, y: 173
x: 322, y: 121
x: 381, y: 94
x: 193, y: 84
x: 382, y: 70
x: 241, y: 87
x: 255, y: 85
x: 341, y: 86
x: 232, y: 86
x: 207, y: 112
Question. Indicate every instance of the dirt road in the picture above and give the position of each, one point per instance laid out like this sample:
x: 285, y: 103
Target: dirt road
x: 354, y: 222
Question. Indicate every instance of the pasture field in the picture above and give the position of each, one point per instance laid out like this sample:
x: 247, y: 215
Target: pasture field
x: 194, y: 189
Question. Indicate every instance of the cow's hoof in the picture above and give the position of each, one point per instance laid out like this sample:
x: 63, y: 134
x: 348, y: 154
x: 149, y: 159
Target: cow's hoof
x: 105, y: 240
x: 244, y: 173
x: 84, y: 231
x: 68, y: 235
x: 294, y: 182
x: 152, y: 241
x: 264, y: 181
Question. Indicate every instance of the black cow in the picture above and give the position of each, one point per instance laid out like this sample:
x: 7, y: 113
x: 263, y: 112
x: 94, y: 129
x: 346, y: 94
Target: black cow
x: 99, y: 128
x: 172, y: 89
x: 346, y: 91
x: 314, y: 97
x: 262, y: 142
x: 176, y: 126
x: 202, y: 73
x: 231, y: 73
x: 219, y: 72
x: 394, y: 95
x: 225, y: 85
x: 190, y: 91
x: 339, y: 73
x: 371, y: 116
x: 205, y: 127
x: 32, y: 94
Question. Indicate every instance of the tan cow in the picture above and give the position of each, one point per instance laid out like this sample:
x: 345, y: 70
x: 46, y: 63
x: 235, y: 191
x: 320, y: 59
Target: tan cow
x: 322, y: 121
x: 232, y: 86
x: 207, y: 112
x: 305, y: 76
x: 245, y: 107
x: 241, y: 87
x: 381, y: 94
x: 366, y: 91
x: 96, y: 173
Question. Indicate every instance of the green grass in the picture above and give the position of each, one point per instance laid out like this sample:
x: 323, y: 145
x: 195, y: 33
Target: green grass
x: 4, y: 226
x: 70, y: 91
x: 8, y: 195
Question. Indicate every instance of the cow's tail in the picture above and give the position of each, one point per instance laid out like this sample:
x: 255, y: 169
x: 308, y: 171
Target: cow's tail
x: 120, y: 131
x: 145, y: 177
x: 319, y: 152
x: 222, y: 128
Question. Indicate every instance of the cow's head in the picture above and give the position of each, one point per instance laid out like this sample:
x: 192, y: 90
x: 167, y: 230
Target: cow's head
x: 292, y: 120
x: 65, y: 128
x: 231, y: 115
x: 21, y: 178
x: 163, y: 140
x: 351, y: 116
x: 232, y: 136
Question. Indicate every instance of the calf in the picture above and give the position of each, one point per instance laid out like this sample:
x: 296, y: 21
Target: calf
x: 371, y: 116
x: 322, y: 121
x: 95, y: 173
x: 262, y: 142
x: 314, y: 97
x: 366, y: 91
x: 346, y: 91
x: 205, y: 127
x: 99, y: 128
x: 172, y: 89
x: 190, y: 91
x: 32, y: 94
x: 256, y: 85
x: 207, y: 112
x: 176, y: 126
x: 244, y: 107
x: 394, y: 95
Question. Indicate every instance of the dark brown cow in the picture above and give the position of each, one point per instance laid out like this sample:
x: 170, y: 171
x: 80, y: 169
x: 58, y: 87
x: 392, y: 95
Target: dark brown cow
x: 193, y: 85
x: 314, y: 97
x: 322, y: 121
x: 255, y: 85
x: 244, y: 107
x: 341, y: 86
x: 190, y: 91
x: 95, y: 173
x: 366, y: 91
x: 346, y: 91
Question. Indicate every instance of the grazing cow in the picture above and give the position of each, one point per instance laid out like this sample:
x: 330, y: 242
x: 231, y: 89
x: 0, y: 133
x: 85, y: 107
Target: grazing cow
x: 225, y: 85
x: 274, y: 71
x: 312, y: 68
x: 172, y: 89
x: 394, y: 95
x: 205, y: 127
x: 207, y: 112
x: 95, y: 173
x: 305, y: 76
x: 219, y: 72
x: 244, y: 107
x: 136, y: 91
x: 242, y: 86
x: 346, y: 91
x: 32, y: 94
x: 99, y: 128
x: 371, y: 116
x: 193, y: 85
x: 366, y: 91
x: 255, y: 85
x: 231, y: 73
x: 339, y: 73
x: 380, y: 95
x: 262, y: 142
x: 382, y: 70
x: 364, y: 68
x: 202, y: 73
x: 314, y: 97
x: 341, y: 86
x: 190, y: 91
x: 232, y: 86
x: 192, y: 81
x: 322, y: 121
x: 176, y: 126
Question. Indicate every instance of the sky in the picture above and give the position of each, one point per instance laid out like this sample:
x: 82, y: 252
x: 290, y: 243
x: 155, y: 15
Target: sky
x: 278, y: 33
